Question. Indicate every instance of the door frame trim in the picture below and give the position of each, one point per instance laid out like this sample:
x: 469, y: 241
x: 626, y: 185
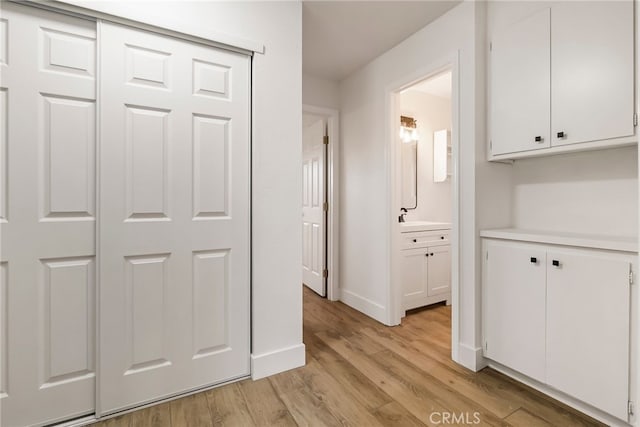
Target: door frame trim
x: 333, y: 197
x: 394, y: 312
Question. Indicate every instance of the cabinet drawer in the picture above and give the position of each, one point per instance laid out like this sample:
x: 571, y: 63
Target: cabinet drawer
x: 421, y: 239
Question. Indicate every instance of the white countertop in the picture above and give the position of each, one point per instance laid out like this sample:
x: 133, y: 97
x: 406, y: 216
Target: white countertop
x: 412, y: 226
x: 614, y: 243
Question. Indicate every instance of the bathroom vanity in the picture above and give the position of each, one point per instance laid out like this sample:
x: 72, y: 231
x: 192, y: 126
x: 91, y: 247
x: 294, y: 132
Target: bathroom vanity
x: 425, y: 263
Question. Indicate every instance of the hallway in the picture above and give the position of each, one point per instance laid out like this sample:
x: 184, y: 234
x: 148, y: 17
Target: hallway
x: 361, y: 373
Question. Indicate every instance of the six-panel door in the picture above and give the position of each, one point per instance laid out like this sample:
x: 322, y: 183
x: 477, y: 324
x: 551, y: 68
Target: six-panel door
x: 174, y: 217
x: 47, y: 216
x: 313, y: 214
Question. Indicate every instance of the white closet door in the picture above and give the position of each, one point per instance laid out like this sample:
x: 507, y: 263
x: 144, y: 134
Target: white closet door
x: 174, y: 206
x: 47, y: 216
x: 313, y: 215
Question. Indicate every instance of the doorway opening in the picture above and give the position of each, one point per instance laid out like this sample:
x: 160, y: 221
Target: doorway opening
x: 320, y: 201
x: 424, y: 198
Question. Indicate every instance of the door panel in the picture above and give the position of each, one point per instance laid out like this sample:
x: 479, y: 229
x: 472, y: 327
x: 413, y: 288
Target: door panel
x: 414, y: 278
x: 313, y: 215
x: 588, y: 302
x: 592, y: 80
x: 514, y: 311
x: 47, y: 193
x: 174, y: 274
x: 520, y: 86
x: 439, y: 271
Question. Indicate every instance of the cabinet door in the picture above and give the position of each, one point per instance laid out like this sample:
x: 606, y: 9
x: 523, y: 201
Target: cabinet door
x: 592, y: 74
x: 520, y: 86
x: 414, y: 278
x: 439, y: 270
x: 588, y: 328
x: 514, y: 307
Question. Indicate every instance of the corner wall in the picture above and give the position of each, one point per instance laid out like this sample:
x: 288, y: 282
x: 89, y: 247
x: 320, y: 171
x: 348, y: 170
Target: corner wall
x: 366, y: 184
x: 276, y: 151
x: 320, y: 92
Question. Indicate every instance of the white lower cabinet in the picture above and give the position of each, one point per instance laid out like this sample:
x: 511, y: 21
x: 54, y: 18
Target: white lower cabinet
x: 562, y: 317
x: 426, y: 275
x: 514, y: 315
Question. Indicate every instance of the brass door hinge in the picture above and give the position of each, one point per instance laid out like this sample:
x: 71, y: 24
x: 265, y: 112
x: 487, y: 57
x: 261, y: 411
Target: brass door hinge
x: 325, y: 273
x: 325, y: 139
x: 325, y: 206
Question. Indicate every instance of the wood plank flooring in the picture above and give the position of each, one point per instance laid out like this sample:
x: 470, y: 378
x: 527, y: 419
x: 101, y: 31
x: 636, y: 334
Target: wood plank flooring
x: 361, y: 373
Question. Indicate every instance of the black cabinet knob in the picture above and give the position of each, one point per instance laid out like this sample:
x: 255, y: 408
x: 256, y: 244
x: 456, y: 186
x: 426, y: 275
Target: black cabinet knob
x: 555, y: 263
x: 534, y: 260
x: 431, y: 254
x: 415, y: 240
x: 442, y: 237
x: 538, y: 138
x: 426, y: 254
x: 560, y: 134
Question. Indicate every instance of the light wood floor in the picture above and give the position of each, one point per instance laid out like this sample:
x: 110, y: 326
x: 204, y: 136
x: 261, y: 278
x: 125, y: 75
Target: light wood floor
x: 361, y: 373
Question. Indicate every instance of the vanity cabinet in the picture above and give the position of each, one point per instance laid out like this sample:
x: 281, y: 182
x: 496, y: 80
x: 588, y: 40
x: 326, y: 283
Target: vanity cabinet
x: 426, y: 268
x: 563, y: 76
x: 561, y: 315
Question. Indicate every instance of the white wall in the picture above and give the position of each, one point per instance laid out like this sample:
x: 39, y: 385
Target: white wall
x: 593, y: 192
x: 432, y: 113
x: 276, y: 150
x: 320, y: 92
x: 365, y: 181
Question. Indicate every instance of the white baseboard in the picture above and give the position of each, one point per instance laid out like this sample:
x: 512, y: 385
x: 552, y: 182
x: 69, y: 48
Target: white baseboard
x: 470, y: 357
x: 364, y: 305
x: 274, y: 362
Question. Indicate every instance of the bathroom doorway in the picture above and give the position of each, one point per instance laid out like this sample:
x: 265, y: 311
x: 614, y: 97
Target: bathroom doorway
x: 423, y: 137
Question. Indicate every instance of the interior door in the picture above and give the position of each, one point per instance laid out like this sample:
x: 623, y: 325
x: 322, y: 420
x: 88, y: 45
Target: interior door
x: 313, y: 198
x: 47, y: 216
x: 592, y: 74
x: 520, y: 86
x: 588, y: 317
x: 514, y: 310
x: 174, y: 205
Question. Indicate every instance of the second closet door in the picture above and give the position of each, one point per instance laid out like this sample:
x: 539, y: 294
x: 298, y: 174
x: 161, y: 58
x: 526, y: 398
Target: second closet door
x: 174, y: 208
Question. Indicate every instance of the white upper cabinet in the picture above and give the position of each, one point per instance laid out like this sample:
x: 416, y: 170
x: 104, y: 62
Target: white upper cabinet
x: 563, y: 76
x: 592, y: 89
x: 520, y: 83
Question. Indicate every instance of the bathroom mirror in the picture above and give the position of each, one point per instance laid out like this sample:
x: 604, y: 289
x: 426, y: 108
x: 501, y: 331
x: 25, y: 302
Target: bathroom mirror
x: 409, y: 175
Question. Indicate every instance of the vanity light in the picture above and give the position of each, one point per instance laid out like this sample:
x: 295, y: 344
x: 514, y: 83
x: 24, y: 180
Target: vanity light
x: 408, y: 130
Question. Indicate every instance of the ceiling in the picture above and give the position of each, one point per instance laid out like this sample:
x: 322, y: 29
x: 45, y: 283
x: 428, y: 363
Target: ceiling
x: 439, y: 85
x: 339, y: 37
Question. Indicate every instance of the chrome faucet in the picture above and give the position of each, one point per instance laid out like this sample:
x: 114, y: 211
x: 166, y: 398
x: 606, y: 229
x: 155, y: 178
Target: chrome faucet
x: 401, y: 217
